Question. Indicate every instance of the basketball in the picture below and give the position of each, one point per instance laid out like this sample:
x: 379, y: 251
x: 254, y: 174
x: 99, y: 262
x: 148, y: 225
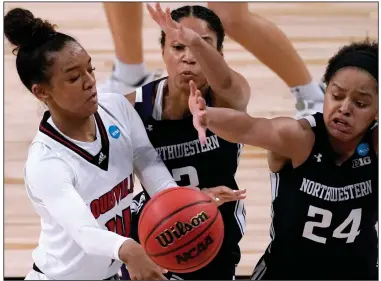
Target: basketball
x: 181, y: 229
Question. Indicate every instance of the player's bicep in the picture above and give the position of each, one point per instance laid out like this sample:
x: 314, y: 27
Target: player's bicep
x: 51, y: 184
x: 147, y: 163
x: 285, y: 136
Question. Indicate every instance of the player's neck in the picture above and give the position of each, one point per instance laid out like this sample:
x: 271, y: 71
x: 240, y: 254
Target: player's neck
x: 175, y: 101
x: 82, y: 129
x: 344, y: 150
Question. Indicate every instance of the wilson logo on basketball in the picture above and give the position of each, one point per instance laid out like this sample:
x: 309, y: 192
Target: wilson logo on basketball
x: 167, y: 237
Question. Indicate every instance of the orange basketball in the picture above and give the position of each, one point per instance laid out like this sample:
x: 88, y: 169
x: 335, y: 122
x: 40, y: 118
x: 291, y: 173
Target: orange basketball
x: 181, y: 229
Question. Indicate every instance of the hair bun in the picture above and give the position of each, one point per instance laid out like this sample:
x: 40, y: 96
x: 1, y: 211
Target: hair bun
x: 22, y: 29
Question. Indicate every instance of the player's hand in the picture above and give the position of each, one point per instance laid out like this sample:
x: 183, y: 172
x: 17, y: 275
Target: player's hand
x: 139, y: 265
x: 183, y: 35
x: 223, y: 194
x: 197, y: 107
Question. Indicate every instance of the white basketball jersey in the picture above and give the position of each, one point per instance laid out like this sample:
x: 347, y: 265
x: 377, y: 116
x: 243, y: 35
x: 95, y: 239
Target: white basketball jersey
x: 104, y: 181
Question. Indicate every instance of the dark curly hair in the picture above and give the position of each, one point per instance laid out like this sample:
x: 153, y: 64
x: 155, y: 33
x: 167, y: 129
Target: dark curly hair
x: 366, y: 46
x: 203, y: 13
x: 34, y: 41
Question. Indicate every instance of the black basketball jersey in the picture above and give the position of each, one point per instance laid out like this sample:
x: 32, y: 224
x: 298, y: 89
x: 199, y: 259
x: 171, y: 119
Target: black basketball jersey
x: 190, y: 162
x: 324, y: 215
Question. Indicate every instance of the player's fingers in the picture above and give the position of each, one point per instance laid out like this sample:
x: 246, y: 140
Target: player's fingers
x: 168, y: 19
x: 198, y: 93
x: 160, y: 276
x: 202, y: 135
x: 202, y: 117
x: 240, y: 193
x: 192, y: 87
x: 221, y: 189
x: 232, y: 198
x: 233, y: 194
x: 228, y: 191
x: 160, y: 11
x: 225, y: 194
x: 152, y: 13
x: 201, y: 103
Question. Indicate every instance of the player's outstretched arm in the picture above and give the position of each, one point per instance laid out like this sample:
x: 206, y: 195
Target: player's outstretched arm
x: 230, y: 88
x: 50, y: 184
x: 285, y: 136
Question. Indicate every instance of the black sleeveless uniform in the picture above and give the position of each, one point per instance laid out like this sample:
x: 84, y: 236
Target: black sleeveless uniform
x: 193, y: 164
x: 324, y: 215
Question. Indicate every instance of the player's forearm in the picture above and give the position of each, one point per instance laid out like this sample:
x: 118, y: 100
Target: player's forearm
x: 81, y: 225
x: 231, y: 125
x: 96, y: 241
x: 151, y: 171
x: 212, y: 63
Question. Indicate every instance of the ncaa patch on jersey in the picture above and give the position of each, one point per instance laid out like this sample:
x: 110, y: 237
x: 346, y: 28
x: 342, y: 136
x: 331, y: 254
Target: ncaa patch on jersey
x: 114, y: 131
x: 363, y: 149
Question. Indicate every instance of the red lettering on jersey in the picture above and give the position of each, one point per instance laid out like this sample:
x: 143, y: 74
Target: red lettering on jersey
x: 103, y: 203
x: 117, y: 191
x: 95, y: 210
x: 110, y: 200
x: 107, y: 201
x: 124, y: 189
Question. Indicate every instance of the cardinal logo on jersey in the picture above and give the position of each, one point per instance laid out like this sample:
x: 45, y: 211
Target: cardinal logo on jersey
x: 114, y: 131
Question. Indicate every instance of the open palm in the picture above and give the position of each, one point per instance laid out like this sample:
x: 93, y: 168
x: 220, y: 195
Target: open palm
x: 197, y: 107
x: 170, y: 27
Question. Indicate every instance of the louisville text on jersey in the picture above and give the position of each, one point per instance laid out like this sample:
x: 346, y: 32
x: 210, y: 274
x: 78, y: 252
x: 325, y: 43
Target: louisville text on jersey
x: 107, y: 201
x: 334, y: 194
x: 187, y: 149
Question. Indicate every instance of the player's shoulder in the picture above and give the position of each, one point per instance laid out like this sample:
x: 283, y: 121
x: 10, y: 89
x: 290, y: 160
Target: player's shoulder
x: 112, y: 101
x: 145, y: 93
x: 116, y: 106
x: 312, y: 122
x: 44, y: 157
x: 42, y: 148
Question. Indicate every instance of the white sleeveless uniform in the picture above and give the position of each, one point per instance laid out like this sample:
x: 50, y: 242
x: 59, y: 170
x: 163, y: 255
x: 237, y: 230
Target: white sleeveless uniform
x: 81, y: 190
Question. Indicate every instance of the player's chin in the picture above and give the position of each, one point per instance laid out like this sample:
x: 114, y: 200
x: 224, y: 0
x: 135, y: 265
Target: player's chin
x: 183, y: 80
x: 342, y: 136
x: 90, y: 109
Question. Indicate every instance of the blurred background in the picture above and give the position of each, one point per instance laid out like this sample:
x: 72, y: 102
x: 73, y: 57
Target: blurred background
x: 317, y: 30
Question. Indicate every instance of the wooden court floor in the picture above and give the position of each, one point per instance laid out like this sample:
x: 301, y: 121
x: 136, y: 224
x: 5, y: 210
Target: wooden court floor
x: 316, y: 30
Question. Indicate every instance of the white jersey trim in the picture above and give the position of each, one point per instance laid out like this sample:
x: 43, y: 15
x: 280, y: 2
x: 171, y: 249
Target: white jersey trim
x: 158, y: 106
x: 311, y: 120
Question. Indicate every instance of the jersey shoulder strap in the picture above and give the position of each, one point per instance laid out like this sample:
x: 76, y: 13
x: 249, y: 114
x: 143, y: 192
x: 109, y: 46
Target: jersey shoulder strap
x: 143, y: 101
